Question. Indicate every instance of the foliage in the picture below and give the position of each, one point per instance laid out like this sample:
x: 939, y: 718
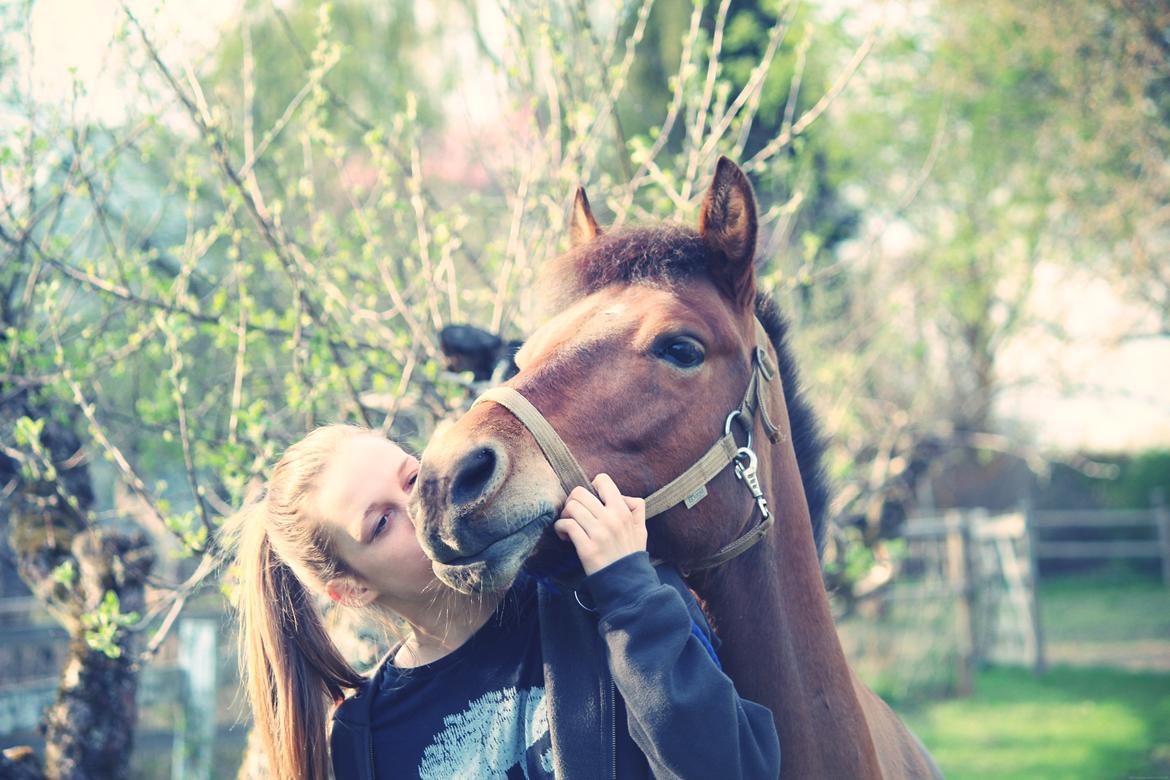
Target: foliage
x: 974, y: 147
x: 1116, y: 481
x: 102, y: 625
x: 1107, y: 64
x: 1138, y: 479
x: 272, y: 238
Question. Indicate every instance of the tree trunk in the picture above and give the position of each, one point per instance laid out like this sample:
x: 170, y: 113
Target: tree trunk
x: 70, y: 566
x: 89, y: 729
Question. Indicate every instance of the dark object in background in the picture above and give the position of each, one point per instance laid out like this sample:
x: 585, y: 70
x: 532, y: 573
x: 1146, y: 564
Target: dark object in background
x: 487, y: 356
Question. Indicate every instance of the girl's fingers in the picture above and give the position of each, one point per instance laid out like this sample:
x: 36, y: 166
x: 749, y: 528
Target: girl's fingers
x: 609, y: 492
x: 570, y: 530
x: 591, y: 502
x: 602, y: 532
x: 580, y: 514
x: 637, y: 506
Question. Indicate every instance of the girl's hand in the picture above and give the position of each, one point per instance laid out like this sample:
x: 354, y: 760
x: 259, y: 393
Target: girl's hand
x: 602, y: 532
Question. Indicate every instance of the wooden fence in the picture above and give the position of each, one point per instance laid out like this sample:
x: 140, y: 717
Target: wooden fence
x: 1142, y: 534
x: 965, y: 589
x: 988, y: 571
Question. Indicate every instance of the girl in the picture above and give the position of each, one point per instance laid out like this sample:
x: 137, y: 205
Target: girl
x: 521, y: 684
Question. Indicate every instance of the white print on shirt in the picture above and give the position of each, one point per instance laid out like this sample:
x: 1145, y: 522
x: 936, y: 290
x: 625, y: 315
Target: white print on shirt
x: 502, y: 734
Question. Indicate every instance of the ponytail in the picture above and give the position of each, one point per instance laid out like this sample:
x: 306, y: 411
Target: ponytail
x: 292, y: 669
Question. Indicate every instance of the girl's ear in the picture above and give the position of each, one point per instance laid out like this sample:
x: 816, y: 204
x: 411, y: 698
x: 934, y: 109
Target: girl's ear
x: 349, y: 593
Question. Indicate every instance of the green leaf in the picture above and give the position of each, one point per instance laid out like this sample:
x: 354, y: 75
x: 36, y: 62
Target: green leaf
x: 65, y: 574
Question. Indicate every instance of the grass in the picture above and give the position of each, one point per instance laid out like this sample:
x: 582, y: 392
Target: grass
x: 1081, y: 609
x: 1068, y: 724
x: 1073, y: 722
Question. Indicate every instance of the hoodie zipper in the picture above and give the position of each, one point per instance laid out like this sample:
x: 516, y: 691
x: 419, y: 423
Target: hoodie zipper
x: 613, y: 727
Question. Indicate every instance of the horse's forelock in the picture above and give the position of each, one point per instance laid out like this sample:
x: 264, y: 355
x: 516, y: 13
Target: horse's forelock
x: 658, y: 256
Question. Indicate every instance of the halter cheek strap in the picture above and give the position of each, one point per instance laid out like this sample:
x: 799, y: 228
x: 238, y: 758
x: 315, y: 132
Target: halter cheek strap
x: 687, y: 488
x: 556, y: 452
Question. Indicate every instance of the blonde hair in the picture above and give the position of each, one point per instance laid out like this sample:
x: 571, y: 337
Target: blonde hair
x: 291, y: 667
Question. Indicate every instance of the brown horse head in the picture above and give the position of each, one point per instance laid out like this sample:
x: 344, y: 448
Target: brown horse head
x: 648, y: 348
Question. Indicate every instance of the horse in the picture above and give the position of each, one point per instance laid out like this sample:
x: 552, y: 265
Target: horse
x: 658, y: 343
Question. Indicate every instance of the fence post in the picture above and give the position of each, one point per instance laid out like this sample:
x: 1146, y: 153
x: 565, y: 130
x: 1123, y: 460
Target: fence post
x: 1032, y: 583
x: 194, y: 744
x: 1162, y: 518
x: 959, y: 576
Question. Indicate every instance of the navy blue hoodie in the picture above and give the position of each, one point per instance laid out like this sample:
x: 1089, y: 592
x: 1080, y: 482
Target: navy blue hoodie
x: 641, y: 653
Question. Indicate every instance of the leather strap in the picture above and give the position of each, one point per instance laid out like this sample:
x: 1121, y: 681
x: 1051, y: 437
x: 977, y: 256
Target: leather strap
x: 764, y: 371
x: 733, y: 549
x: 697, y: 476
x: 566, y: 467
x: 571, y: 475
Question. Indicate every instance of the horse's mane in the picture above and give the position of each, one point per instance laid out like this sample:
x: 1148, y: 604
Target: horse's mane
x: 806, y: 431
x: 664, y: 256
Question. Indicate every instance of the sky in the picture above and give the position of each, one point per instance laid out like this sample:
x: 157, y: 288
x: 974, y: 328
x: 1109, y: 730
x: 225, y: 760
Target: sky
x: 1089, y: 392
x: 1094, y: 390
x: 72, y: 37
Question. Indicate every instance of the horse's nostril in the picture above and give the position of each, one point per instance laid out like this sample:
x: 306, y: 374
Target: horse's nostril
x: 474, y: 473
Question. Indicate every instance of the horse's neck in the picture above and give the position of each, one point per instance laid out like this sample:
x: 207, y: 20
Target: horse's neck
x: 779, y: 643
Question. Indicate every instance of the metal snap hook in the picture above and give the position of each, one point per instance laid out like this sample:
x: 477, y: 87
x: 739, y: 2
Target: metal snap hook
x: 749, y: 467
x: 748, y: 472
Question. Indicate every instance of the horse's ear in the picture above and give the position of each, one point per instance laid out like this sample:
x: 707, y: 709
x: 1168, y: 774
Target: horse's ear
x: 582, y: 226
x: 727, y: 224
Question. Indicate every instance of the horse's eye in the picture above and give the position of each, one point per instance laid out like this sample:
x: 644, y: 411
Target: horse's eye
x: 682, y: 351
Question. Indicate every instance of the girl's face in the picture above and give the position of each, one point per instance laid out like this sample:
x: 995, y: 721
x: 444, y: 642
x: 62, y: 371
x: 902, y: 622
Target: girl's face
x: 362, y: 500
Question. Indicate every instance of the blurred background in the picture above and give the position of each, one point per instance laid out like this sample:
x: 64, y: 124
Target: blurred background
x: 223, y: 223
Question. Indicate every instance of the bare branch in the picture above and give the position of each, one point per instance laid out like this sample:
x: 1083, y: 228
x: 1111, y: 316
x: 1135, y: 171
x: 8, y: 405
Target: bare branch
x: 288, y: 253
x: 756, y: 163
x: 154, y: 519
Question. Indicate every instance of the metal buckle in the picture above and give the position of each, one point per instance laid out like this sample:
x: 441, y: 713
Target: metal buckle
x: 745, y: 422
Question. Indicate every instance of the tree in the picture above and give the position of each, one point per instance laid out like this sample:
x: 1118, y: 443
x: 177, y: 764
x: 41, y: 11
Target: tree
x: 936, y: 149
x: 196, y: 283
x: 980, y: 144
x: 1109, y: 61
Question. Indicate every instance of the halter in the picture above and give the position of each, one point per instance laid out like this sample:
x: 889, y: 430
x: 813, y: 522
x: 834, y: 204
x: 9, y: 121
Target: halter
x: 690, y: 487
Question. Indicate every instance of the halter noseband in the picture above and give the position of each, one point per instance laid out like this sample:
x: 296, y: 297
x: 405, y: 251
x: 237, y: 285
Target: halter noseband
x: 690, y: 487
